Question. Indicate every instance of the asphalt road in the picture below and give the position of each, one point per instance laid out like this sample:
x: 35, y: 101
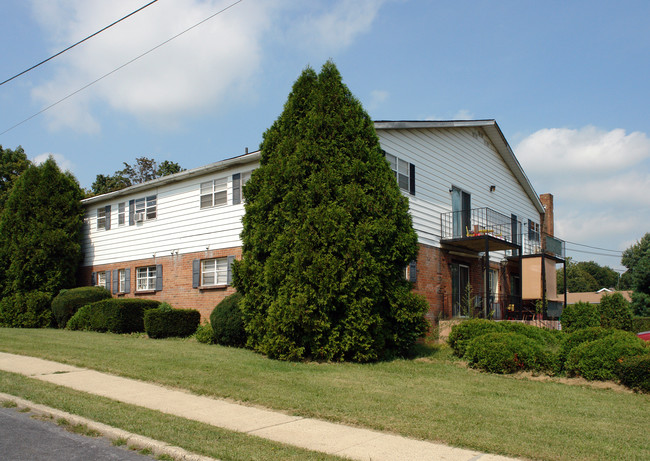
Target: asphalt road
x: 24, y: 438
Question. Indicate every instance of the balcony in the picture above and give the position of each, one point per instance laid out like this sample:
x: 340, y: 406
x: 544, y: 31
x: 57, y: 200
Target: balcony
x: 484, y: 229
x: 480, y: 229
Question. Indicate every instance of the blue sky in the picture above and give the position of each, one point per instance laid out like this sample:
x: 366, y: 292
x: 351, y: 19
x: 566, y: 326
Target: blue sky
x: 566, y: 81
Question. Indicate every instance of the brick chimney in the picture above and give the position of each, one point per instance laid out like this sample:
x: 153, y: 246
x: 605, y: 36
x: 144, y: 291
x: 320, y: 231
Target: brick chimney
x: 547, y: 218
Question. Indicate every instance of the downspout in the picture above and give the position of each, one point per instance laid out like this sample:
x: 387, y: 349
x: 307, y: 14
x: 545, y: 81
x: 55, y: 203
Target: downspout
x: 486, y: 277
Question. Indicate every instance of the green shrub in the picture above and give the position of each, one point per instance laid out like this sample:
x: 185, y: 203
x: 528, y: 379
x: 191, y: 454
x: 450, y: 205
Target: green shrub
x: 26, y: 310
x: 507, y: 352
x: 81, y: 319
x: 227, y: 323
x: 165, y: 322
x: 464, y: 332
x: 123, y: 315
x: 67, y: 302
x: 640, y: 324
x: 204, y: 334
x: 634, y: 372
x: 615, y: 312
x: 549, y: 338
x: 580, y: 315
x: 576, y: 338
x: 598, y: 360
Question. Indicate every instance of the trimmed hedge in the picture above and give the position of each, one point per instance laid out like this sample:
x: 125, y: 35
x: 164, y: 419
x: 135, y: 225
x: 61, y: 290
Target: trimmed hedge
x: 572, y: 340
x: 26, y: 310
x: 550, y: 338
x: 227, y: 323
x: 166, y: 323
x: 634, y: 372
x: 580, y: 315
x: 123, y: 315
x: 598, y: 360
x: 507, y: 352
x: 464, y: 332
x: 640, y: 324
x: 67, y: 302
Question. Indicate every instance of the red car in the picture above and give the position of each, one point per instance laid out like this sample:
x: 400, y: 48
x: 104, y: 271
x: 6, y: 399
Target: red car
x: 644, y: 335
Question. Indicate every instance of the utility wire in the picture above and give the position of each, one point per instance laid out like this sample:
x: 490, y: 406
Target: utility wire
x: 595, y: 248
x: 575, y: 250
x: 79, y: 42
x: 120, y: 67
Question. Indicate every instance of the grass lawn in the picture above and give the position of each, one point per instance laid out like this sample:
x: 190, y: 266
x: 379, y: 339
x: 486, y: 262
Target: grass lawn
x: 433, y: 398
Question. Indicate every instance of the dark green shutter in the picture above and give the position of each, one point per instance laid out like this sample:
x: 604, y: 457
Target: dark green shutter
x: 196, y: 273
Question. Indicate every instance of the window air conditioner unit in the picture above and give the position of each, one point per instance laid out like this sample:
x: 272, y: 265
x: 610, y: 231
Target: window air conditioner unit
x: 139, y: 217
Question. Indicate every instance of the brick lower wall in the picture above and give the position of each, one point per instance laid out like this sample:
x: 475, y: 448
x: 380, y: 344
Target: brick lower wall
x: 433, y: 280
x: 177, y: 280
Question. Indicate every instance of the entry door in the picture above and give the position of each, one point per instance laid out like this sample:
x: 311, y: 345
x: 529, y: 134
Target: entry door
x: 459, y: 282
x: 461, y: 204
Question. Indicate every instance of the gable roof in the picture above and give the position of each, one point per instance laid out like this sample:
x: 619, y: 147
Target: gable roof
x: 493, y: 132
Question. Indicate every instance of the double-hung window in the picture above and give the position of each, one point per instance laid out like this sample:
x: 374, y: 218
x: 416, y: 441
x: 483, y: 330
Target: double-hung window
x: 214, y: 272
x: 146, y: 278
x: 121, y: 213
x: 121, y: 281
x: 214, y: 193
x: 146, y: 206
x: 104, y: 217
x: 100, y: 279
x: 404, y: 173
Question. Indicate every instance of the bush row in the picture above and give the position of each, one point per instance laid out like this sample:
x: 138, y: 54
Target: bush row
x: 124, y: 315
x: 165, y: 322
x: 614, y: 311
x: 594, y: 353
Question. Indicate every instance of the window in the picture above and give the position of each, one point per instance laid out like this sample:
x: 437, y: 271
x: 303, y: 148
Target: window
x: 121, y: 284
x: 533, y: 231
x: 404, y: 173
x: 146, y: 278
x: 238, y: 181
x: 101, y: 279
x: 101, y: 218
x: 214, y: 193
x: 121, y: 213
x: 104, y: 217
x: 141, y: 209
x: 214, y: 272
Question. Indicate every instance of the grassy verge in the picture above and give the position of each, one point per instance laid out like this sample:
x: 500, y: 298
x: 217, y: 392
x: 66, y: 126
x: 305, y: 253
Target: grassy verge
x: 432, y: 398
x: 190, y: 435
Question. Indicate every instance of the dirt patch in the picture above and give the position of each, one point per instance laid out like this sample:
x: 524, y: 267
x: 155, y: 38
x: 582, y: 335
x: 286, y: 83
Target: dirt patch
x: 573, y: 382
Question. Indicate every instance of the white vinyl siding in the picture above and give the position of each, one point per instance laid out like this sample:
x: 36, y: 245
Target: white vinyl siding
x: 181, y: 224
x: 455, y: 157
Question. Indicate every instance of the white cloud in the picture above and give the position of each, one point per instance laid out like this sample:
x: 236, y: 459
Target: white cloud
x: 587, y: 150
x: 203, y: 70
x: 463, y: 114
x: 190, y: 74
x: 335, y: 26
x: 600, y: 182
x: 63, y: 163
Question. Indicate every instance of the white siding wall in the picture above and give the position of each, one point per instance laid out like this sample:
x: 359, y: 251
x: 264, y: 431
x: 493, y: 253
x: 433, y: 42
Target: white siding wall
x: 461, y: 157
x: 443, y: 157
x: 180, y: 225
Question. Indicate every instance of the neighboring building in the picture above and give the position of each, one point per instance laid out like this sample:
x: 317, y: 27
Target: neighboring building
x: 173, y: 238
x: 593, y: 297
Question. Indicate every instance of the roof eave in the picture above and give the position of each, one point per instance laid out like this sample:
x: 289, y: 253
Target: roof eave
x: 202, y: 170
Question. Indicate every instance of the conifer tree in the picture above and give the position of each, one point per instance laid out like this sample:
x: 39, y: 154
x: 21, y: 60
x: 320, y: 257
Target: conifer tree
x: 327, y: 235
x: 40, y: 231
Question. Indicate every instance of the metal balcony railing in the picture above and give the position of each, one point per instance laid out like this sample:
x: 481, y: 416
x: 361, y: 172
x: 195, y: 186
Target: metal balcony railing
x: 478, y: 222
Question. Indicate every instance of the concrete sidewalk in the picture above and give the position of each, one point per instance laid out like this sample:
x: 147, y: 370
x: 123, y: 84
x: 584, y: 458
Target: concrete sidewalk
x: 312, y: 434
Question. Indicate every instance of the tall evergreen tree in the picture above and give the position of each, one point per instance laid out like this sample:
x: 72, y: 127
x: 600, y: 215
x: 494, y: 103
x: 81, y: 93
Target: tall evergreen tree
x: 326, y: 235
x: 637, y: 260
x: 40, y: 231
x: 12, y: 165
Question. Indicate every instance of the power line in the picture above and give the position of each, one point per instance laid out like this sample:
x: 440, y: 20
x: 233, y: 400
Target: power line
x: 80, y: 41
x: 119, y: 68
x: 574, y: 250
x: 595, y: 248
